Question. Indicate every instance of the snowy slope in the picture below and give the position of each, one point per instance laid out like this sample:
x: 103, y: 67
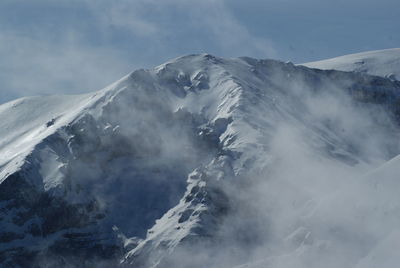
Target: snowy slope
x: 192, y: 158
x: 27, y: 121
x: 257, y: 112
x: 380, y: 62
x: 356, y: 225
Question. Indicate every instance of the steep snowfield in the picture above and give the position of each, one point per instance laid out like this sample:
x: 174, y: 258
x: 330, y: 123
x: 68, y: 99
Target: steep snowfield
x: 27, y: 121
x: 202, y: 162
x: 380, y: 62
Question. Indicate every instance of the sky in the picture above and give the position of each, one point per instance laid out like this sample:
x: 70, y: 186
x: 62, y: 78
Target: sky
x: 76, y: 46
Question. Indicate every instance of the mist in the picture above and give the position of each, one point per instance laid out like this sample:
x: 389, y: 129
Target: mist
x: 307, y: 197
x: 212, y: 162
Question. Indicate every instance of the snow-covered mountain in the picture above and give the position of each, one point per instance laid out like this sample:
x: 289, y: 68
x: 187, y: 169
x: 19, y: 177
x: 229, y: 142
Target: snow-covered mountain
x: 204, y: 162
x: 380, y: 62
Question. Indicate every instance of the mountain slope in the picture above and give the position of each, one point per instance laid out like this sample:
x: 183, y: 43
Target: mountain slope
x: 380, y: 62
x: 218, y: 157
x: 369, y: 199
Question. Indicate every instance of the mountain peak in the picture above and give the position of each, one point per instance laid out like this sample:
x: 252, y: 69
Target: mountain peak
x: 173, y: 160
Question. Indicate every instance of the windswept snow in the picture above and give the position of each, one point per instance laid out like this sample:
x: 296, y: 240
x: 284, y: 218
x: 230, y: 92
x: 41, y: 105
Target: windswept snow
x: 380, y: 62
x: 206, y: 162
x: 25, y: 122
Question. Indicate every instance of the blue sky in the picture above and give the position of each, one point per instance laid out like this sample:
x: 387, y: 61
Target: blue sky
x: 70, y: 46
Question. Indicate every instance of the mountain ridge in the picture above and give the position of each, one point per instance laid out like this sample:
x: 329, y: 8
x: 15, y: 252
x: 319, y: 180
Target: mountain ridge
x: 384, y: 62
x: 175, y: 144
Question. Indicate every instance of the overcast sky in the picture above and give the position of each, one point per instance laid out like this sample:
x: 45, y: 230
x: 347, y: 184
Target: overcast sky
x: 71, y: 46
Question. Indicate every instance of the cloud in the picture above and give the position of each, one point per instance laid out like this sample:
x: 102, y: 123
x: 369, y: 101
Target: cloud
x: 76, y: 46
x: 232, y: 37
x: 125, y: 35
x: 42, y: 67
x: 129, y: 16
x: 174, y: 25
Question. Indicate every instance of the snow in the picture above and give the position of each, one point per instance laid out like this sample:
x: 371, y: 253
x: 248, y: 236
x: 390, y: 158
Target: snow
x: 383, y: 254
x: 51, y: 169
x: 365, y: 210
x: 200, y: 136
x: 384, y: 63
x: 27, y: 121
